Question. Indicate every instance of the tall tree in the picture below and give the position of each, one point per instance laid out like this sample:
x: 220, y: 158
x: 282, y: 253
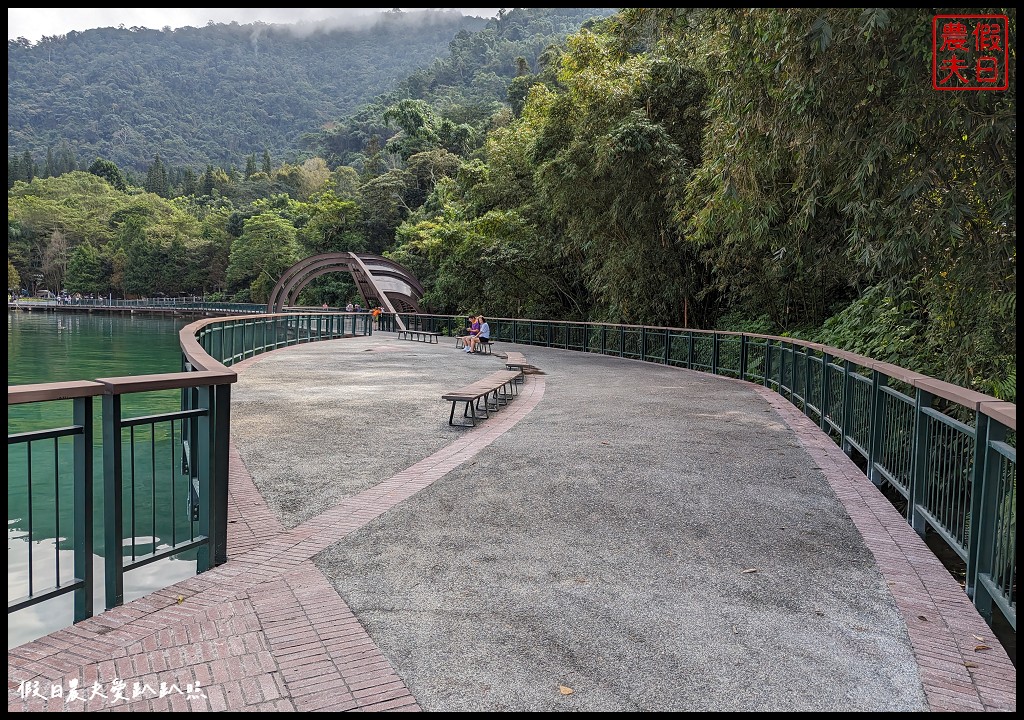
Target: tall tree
x: 28, y: 167
x: 65, y: 160
x: 49, y: 169
x: 156, y: 178
x: 208, y: 184
x: 189, y: 183
x: 55, y: 261
x: 266, y: 162
x: 13, y: 170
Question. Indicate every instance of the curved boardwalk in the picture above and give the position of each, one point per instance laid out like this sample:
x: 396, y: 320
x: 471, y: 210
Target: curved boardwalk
x: 621, y: 536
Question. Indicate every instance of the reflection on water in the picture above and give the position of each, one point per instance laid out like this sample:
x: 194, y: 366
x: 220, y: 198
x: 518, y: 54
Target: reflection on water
x: 52, y: 347
x: 34, y: 622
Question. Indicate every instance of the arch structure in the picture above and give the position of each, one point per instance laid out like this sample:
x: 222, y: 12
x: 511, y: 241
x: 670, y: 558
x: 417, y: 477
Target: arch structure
x: 380, y: 281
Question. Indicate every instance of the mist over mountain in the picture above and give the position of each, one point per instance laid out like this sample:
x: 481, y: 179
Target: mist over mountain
x: 214, y: 94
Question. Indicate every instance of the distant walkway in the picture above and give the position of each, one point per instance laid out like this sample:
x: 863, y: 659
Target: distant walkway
x: 621, y: 536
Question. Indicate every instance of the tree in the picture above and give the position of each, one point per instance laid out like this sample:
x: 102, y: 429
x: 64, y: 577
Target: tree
x: 335, y: 225
x: 207, y: 185
x: 65, y: 160
x: 266, y: 248
x: 85, y: 270
x: 313, y: 175
x: 266, y: 162
x: 384, y: 201
x: 13, y: 278
x: 28, y: 167
x: 141, y: 263
x: 109, y: 172
x: 189, y: 184
x: 55, y: 261
x: 49, y: 169
x: 250, y: 166
x: 13, y: 170
x: 156, y: 178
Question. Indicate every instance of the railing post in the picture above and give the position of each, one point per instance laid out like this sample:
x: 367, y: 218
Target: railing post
x: 689, y: 349
x: 83, y: 507
x: 112, y: 502
x: 207, y: 467
x: 877, y: 415
x: 221, y: 418
x: 643, y: 343
x: 716, y: 349
x: 980, y: 527
x: 807, y: 380
x: 919, y: 462
x: 826, y: 386
x: 846, y: 411
x: 668, y: 340
x: 622, y: 339
x: 548, y: 323
x: 767, y: 363
x: 743, y: 356
x: 782, y: 369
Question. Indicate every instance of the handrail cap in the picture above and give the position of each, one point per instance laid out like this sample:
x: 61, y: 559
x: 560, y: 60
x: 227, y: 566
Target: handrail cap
x: 40, y: 392
x: 1002, y: 412
x: 166, y: 381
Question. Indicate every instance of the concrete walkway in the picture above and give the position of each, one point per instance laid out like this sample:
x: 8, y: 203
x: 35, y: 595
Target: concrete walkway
x: 621, y: 536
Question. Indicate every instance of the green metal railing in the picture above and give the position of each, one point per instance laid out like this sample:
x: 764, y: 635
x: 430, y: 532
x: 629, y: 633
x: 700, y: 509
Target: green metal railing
x: 164, y: 475
x: 949, y: 451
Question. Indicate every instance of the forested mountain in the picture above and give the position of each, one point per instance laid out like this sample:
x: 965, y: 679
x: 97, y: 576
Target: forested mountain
x: 213, y: 94
x: 780, y: 170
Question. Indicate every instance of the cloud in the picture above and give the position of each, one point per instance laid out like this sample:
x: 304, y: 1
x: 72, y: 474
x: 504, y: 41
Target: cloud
x: 33, y: 24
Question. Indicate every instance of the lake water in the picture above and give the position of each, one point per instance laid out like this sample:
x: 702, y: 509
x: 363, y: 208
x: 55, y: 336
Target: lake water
x: 52, y: 347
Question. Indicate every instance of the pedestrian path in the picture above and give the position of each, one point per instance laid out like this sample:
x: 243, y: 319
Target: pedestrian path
x: 362, y: 605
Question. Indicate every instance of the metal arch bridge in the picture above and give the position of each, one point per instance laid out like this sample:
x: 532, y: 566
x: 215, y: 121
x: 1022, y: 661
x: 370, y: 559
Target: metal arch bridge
x: 380, y: 281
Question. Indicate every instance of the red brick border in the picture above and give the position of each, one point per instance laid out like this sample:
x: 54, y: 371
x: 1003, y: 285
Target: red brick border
x: 945, y: 628
x: 265, y: 631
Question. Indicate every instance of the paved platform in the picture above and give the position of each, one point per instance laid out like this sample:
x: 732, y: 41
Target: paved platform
x: 621, y: 536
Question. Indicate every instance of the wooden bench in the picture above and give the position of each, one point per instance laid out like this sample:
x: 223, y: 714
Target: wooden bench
x: 484, y: 346
x: 516, y: 361
x: 420, y: 335
x: 487, y: 395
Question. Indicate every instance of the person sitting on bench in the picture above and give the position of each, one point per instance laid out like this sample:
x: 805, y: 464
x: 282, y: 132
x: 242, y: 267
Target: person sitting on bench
x: 472, y: 330
x: 483, y: 336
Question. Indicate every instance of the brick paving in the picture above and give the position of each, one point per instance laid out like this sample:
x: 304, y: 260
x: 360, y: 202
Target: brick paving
x: 268, y: 632
x: 263, y: 632
x: 945, y: 629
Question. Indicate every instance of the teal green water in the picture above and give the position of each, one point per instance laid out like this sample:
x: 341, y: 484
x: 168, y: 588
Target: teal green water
x: 52, y: 347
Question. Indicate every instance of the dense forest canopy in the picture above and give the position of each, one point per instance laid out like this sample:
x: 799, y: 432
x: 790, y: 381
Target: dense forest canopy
x: 790, y: 171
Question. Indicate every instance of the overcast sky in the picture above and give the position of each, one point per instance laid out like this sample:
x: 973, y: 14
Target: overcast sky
x: 32, y: 23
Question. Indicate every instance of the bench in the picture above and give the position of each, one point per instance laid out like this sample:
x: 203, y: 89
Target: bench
x: 493, y: 392
x: 516, y: 361
x: 484, y: 346
x: 420, y: 335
